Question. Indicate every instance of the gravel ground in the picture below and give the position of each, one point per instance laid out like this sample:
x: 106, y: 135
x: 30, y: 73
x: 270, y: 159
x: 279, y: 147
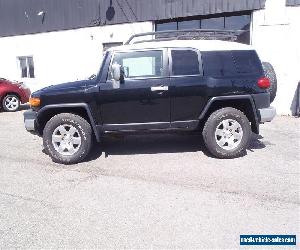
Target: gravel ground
x: 151, y: 191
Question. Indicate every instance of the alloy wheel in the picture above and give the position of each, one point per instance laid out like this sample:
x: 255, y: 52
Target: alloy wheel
x: 229, y: 134
x: 66, y: 140
x: 11, y: 103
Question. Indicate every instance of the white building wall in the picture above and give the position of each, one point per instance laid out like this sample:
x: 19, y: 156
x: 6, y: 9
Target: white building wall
x: 76, y: 54
x: 276, y: 36
x: 62, y: 56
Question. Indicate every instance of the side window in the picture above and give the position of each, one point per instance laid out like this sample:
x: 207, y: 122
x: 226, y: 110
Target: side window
x: 246, y: 62
x: 229, y: 63
x: 218, y: 63
x: 185, y: 62
x: 141, y: 63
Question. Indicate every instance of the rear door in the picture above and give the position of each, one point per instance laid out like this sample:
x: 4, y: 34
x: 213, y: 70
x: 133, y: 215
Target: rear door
x: 188, y: 87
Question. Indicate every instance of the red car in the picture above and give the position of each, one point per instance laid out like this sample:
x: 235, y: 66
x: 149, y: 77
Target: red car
x: 12, y: 94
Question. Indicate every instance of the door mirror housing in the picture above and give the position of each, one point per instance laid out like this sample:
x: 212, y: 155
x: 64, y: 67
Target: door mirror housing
x: 117, y: 72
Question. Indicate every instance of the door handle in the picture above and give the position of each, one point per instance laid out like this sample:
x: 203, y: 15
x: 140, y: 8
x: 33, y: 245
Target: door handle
x: 160, y: 88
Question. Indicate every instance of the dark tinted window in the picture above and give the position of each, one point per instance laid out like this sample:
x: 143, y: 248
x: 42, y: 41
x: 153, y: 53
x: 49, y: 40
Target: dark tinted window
x: 192, y: 24
x: 213, y: 23
x: 228, y: 63
x: 237, y: 22
x: 217, y: 64
x: 246, y: 62
x: 166, y: 26
x: 26, y: 66
x: 229, y: 21
x: 185, y: 62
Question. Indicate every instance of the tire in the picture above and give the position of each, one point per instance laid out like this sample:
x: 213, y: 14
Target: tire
x: 67, y: 138
x: 270, y: 73
x: 223, y: 143
x: 11, y: 103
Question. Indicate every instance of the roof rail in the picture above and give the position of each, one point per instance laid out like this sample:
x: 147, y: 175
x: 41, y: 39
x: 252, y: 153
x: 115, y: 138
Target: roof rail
x: 201, y: 34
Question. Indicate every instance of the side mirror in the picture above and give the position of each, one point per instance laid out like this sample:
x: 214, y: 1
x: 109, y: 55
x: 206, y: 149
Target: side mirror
x: 117, y: 72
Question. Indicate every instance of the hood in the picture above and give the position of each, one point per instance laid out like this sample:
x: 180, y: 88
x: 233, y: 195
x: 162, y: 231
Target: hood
x: 67, y: 86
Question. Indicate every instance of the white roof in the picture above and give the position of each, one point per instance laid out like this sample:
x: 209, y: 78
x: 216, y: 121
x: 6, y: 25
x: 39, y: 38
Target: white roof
x: 202, y: 45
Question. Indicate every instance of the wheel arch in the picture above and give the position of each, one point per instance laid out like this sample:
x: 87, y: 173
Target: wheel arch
x: 243, y: 103
x: 9, y: 93
x: 81, y: 109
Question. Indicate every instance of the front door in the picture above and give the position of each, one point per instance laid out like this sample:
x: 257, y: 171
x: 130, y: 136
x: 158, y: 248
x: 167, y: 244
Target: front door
x: 142, y: 100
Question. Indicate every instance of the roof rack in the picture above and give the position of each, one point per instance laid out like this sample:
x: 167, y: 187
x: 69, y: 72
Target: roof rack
x: 189, y: 34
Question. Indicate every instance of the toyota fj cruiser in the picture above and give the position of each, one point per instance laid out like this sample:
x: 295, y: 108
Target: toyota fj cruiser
x: 216, y: 87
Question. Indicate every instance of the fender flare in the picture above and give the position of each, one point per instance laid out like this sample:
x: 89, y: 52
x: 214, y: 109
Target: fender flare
x: 73, y: 105
x: 255, y: 125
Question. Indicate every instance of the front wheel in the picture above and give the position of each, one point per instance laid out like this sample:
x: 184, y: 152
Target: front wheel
x: 67, y: 138
x: 11, y: 103
x: 227, y: 133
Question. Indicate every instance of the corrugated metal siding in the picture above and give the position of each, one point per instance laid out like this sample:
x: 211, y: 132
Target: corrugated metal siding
x: 292, y: 2
x: 20, y: 17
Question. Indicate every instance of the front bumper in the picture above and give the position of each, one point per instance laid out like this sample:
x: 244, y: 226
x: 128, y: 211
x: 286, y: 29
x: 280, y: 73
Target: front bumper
x: 30, y: 121
x: 266, y: 114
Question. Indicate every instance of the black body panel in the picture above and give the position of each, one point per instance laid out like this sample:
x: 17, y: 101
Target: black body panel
x: 134, y: 102
x: 261, y: 100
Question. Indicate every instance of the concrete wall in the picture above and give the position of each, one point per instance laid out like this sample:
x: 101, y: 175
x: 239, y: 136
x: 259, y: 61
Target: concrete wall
x: 62, y: 56
x: 276, y: 36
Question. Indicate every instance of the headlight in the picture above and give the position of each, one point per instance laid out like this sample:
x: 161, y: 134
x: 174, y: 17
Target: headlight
x: 34, y: 102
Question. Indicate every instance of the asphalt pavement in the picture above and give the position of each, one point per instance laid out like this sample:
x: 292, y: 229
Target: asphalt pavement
x: 148, y: 191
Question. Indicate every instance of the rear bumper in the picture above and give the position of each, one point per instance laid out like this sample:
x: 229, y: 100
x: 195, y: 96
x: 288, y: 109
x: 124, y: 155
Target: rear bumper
x: 30, y: 121
x: 266, y: 114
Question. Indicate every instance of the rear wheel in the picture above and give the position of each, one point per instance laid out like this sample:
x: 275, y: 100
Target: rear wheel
x: 67, y: 138
x: 227, y: 133
x: 11, y: 103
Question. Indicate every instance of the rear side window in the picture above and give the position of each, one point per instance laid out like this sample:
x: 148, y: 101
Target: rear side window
x: 218, y: 63
x: 185, y: 62
x: 228, y: 63
x: 246, y: 62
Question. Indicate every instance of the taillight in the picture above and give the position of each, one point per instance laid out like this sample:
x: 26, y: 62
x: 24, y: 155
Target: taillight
x: 263, y: 83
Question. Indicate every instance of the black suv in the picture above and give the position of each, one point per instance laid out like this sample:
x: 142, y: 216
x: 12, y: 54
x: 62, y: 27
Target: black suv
x: 216, y: 87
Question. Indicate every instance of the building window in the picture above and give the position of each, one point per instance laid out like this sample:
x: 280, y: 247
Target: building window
x: 241, y: 22
x: 166, y: 26
x: 228, y: 21
x: 192, y: 24
x: 213, y: 23
x: 26, y: 66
